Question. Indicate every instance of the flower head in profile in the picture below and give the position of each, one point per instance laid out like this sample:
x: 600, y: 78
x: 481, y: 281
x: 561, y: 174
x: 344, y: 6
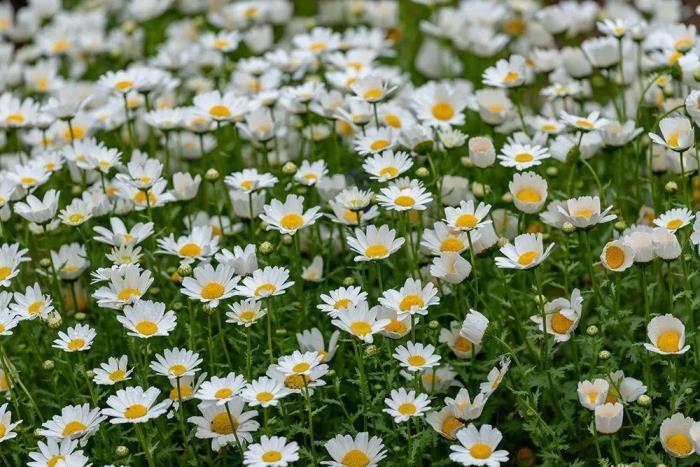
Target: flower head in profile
x: 134, y: 405
x: 526, y: 252
x: 478, y: 446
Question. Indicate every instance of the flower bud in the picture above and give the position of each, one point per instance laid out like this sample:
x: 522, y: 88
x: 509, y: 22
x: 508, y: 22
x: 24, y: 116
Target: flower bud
x: 604, y: 354
x: 281, y: 331
x: 592, y: 330
x: 212, y: 175
x: 155, y: 290
x: 478, y: 189
x: 331, y: 373
x: 54, y: 319
x: 178, y: 306
x: 552, y: 171
x: 266, y: 248
x: 90, y: 374
x: 433, y: 324
x: 644, y: 400
x: 466, y: 162
x: 80, y: 316
x: 287, y: 239
x: 206, y: 308
x: 568, y: 227
x: 348, y: 281
x: 371, y: 350
x: 540, y: 299
x: 620, y: 225
x: 502, y: 241
x: 507, y: 198
x: 121, y: 451
x: 184, y: 270
x: 289, y: 168
x: 48, y: 365
x: 301, y: 190
x: 422, y: 172
x: 45, y: 263
x: 671, y: 187
x: 696, y: 75
x: 482, y: 152
x: 76, y: 190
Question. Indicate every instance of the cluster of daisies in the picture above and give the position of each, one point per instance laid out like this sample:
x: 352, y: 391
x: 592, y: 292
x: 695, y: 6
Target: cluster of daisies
x: 275, y: 232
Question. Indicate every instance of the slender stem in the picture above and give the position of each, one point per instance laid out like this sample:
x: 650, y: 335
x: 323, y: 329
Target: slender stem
x: 144, y: 445
x: 363, y: 383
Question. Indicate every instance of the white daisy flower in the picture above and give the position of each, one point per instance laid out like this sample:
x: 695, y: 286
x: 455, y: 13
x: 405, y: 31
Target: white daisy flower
x: 175, y: 363
x: 274, y: 450
x: 374, y: 243
x: 113, y: 371
x: 219, y: 423
x: 265, y: 392
x: 267, y: 282
x: 360, y: 321
x: 340, y: 299
x: 74, y: 422
x: 667, y: 335
x: 134, y: 405
x: 219, y: 391
x: 526, y: 252
x: 478, y: 447
x: 209, y: 285
x: 289, y: 217
x: 403, y: 405
x: 147, y: 319
x: 411, y: 298
x: 360, y: 450
x: 416, y: 356
x: 522, y: 156
x: 76, y: 339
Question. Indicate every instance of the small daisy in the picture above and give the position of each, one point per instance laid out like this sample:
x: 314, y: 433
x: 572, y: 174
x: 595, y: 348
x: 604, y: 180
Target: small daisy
x: 677, y: 134
x: 624, y: 388
x: 562, y: 316
x: 674, y: 219
x: 522, y: 156
x: 246, y: 312
x: 126, y: 286
x: 529, y: 192
x: 76, y: 339
x: 58, y: 453
x: 113, y: 372
x: 617, y: 256
x: 440, y: 105
x: 411, y: 298
x: 374, y: 243
x: 8, y: 319
x: 199, y: 245
x: 474, y: 327
x: 340, y: 299
x: 461, y: 346
x: 584, y: 212
x: 416, y: 356
x: 275, y: 451
x: 134, y: 405
x: 387, y: 165
x: 289, y: 217
x: 39, y: 211
x: 225, y: 424
x: 220, y: 107
x: 443, y: 239
x: 264, y: 391
x: 479, y: 447
x: 314, y: 271
x: 592, y: 394
x: 6, y: 425
x: 674, y: 434
x: 608, y: 417
x: 467, y: 217
x: 398, y: 326
x: 444, y: 422
x: 310, y: 173
x: 32, y: 304
x: 219, y: 391
x: 243, y: 260
x: 464, y: 408
x: 307, y: 366
x: 119, y: 235
x: 147, y: 319
x: 495, y: 376
x: 412, y: 197
x: 209, y: 285
x: 249, y: 180
x: 175, y: 363
x: 374, y: 141
x: 360, y: 321
x: 359, y: 451
x: 588, y: 123
x: 667, y: 335
x: 311, y: 340
x: 450, y: 267
x: 75, y: 422
x: 527, y: 252
x: 509, y: 73
x: 265, y: 283
x: 402, y: 405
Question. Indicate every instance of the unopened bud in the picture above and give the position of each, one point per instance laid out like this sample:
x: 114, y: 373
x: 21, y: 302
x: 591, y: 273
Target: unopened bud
x: 178, y: 306
x: 289, y: 168
x: 552, y: 171
x: 266, y: 248
x: 507, y: 198
x: 592, y: 330
x: 287, y: 239
x: 671, y: 187
x: 206, y: 308
x: 482, y: 152
x: 604, y: 354
x: 212, y: 175
x: 696, y: 75
x: 184, y: 270
x: 48, y: 365
x: 54, y: 319
x: 540, y: 299
x: 568, y: 227
x: 502, y: 241
x: 371, y: 350
x: 45, y: 263
x: 422, y: 172
x: 348, y: 281
x: 90, y: 374
x: 76, y: 190
x: 644, y: 400
x: 281, y: 331
x: 620, y: 225
x: 433, y: 324
x: 121, y: 451
x: 466, y: 162
x: 80, y: 316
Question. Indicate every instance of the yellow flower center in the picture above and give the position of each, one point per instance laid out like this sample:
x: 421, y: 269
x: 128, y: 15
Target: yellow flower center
x: 584, y: 124
x: 529, y: 195
x: 669, y: 341
x: 296, y: 381
x: 140, y: 197
x: 135, y: 411
x: 272, y: 456
x: 679, y: 444
x: 450, y: 425
x: 264, y: 396
x: 265, y: 289
x: 614, y: 257
x: 410, y: 301
x: 389, y: 171
x: 124, y: 85
x: 221, y: 424
x: 128, y: 294
x: 190, y: 250
x: 527, y: 258
x: 223, y: 393
x: 3, y: 430
x: 212, y: 291
x: 683, y: 44
x: 407, y: 408
x: 291, y: 221
x: 392, y: 120
x: 416, y: 360
x: 78, y: 133
x: 301, y: 367
x: 178, y: 369
x: 4, y: 272
x: 247, y: 315
x: 361, y: 328
x: 480, y: 451
x: 524, y: 157
x: 55, y: 460
x: 220, y: 43
x: 379, y: 144
x: 73, y: 427
x: 674, y: 224
x: 76, y: 344
x: 396, y: 327
x: 462, y: 345
x: 443, y: 111
x: 342, y: 304
x: 548, y: 127
x: 372, y: 94
x: 76, y: 218
x: 27, y: 180
x: 452, y: 244
x: 15, y: 119
x: 496, y: 108
x: 355, y: 458
x: 117, y: 375
x: 219, y: 111
x: 466, y: 221
x: 511, y: 76
x: 35, y: 307
x: 185, y: 392
x: 560, y: 323
x: 247, y: 184
x: 585, y: 213
x: 317, y: 46
x: 147, y: 328
x: 404, y: 201
x: 377, y: 251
